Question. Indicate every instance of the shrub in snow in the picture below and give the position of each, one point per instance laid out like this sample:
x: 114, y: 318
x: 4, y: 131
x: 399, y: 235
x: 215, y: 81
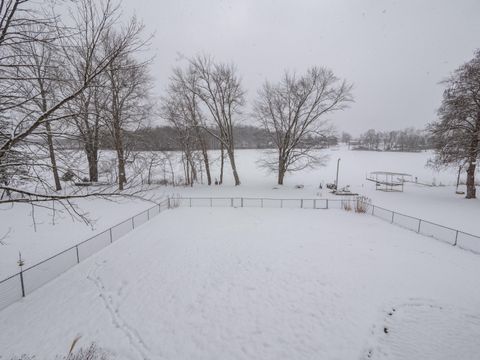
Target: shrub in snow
x: 362, y: 204
x: 68, y: 175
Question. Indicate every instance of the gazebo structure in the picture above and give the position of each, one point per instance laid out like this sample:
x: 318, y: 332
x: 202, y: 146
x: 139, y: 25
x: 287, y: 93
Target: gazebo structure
x: 389, y: 181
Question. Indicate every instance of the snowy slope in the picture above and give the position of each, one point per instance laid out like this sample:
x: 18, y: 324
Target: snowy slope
x: 259, y: 283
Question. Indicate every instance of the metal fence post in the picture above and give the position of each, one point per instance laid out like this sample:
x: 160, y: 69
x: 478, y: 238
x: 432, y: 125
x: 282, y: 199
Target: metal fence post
x: 231, y: 202
x: 241, y: 201
x: 111, y: 236
x: 78, y: 257
x: 327, y: 204
x: 261, y: 201
x: 148, y: 215
x: 169, y: 202
x: 301, y: 203
x: 314, y: 203
x: 133, y: 223
x: 419, y: 224
x: 211, y: 202
x: 281, y: 203
x: 373, y: 209
x: 393, y: 214
x: 456, y: 238
x: 22, y: 284
x: 190, y: 202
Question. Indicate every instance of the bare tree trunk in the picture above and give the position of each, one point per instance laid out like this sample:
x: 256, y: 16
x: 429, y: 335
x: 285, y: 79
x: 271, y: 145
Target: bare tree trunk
x: 471, y: 190
x: 122, y: 178
x: 206, y: 162
x: 472, y: 165
x: 222, y: 162
x: 207, y: 168
x: 193, y: 171
x: 281, y: 169
x: 92, y: 158
x: 231, y: 156
x: 187, y: 172
x: 53, y: 160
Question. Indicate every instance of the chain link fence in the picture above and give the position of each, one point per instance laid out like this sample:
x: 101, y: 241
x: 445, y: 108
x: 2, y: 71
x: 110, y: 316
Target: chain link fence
x: 19, y: 285
x: 252, y: 202
x: 31, y: 278
x: 443, y: 233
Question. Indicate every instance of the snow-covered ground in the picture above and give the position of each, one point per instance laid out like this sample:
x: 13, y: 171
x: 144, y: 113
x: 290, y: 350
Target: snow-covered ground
x: 244, y: 283
x: 438, y: 204
x: 56, y: 233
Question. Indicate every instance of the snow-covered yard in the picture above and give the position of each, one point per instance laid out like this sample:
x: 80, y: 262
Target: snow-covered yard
x: 230, y: 283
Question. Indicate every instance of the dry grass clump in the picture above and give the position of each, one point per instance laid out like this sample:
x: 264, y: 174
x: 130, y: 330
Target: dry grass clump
x: 346, y: 205
x: 92, y: 352
x: 362, y: 204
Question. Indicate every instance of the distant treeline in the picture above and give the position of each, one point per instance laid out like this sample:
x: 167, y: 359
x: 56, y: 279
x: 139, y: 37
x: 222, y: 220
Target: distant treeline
x: 164, y: 138
x: 409, y: 140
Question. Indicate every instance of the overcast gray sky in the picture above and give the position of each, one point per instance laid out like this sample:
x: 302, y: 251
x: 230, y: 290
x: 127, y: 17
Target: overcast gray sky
x: 394, y: 52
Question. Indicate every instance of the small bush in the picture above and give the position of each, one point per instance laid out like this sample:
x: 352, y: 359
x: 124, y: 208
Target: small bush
x: 163, y: 182
x: 362, y: 204
x: 68, y: 175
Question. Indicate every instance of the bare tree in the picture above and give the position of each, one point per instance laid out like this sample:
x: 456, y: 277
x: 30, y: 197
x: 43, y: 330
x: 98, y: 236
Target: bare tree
x: 21, y: 27
x: 40, y: 81
x: 180, y: 88
x: 177, y: 110
x: 79, y: 42
x: 127, y: 87
x: 456, y: 135
x: 219, y: 88
x: 293, y: 112
x: 346, y: 138
x: 95, y: 22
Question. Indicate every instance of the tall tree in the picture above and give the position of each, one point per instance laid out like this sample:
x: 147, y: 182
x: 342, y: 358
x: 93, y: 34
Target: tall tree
x: 127, y: 87
x: 293, y: 111
x: 180, y: 88
x: 456, y: 134
x: 41, y: 59
x: 220, y: 91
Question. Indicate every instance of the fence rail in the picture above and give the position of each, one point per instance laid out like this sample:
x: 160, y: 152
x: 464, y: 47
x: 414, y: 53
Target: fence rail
x: 21, y: 284
x: 31, y: 278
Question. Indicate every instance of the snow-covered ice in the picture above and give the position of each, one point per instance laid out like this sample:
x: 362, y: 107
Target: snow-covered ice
x: 230, y: 283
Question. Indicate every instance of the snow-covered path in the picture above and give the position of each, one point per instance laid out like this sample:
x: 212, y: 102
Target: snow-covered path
x: 232, y: 283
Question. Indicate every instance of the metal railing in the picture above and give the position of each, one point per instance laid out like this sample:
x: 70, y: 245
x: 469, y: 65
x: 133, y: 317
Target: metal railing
x: 31, y: 278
